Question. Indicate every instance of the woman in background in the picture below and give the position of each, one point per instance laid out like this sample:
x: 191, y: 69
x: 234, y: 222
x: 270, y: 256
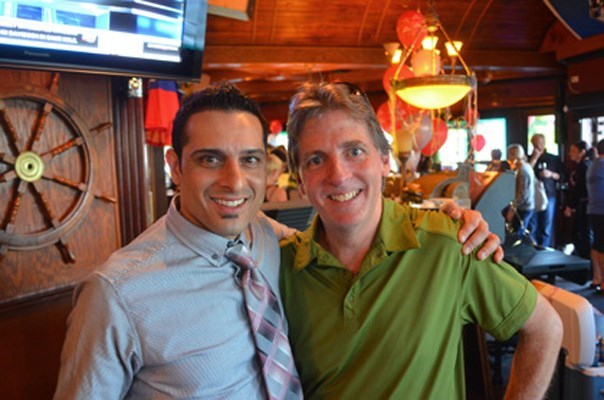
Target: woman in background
x: 273, y: 191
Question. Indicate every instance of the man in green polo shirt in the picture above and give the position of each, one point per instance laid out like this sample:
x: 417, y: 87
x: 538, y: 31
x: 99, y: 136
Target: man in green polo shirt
x: 375, y: 311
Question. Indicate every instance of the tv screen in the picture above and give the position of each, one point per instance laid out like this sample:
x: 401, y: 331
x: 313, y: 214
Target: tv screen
x: 143, y: 38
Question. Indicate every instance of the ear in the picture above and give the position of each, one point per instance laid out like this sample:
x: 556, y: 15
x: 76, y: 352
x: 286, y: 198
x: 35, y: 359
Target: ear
x: 385, y: 159
x: 174, y: 163
x: 301, y: 187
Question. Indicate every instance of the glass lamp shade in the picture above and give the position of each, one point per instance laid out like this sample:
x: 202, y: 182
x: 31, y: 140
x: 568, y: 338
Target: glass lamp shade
x: 432, y: 92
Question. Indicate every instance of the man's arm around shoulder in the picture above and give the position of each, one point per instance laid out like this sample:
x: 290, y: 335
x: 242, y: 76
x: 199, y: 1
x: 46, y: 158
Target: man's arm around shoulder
x: 536, y: 354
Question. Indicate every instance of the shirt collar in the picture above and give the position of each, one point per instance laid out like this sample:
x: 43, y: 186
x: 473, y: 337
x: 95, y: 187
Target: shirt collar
x: 395, y: 233
x: 208, y: 245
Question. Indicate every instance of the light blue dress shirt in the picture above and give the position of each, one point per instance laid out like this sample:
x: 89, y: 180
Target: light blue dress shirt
x: 164, y: 318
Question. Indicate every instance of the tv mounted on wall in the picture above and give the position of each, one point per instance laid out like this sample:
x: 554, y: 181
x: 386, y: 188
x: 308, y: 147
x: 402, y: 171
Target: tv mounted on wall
x: 142, y: 38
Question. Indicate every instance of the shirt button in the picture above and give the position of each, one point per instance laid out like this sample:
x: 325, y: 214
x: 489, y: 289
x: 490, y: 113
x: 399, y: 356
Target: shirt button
x: 215, y: 256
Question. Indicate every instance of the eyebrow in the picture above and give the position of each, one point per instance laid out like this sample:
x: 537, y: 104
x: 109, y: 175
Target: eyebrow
x: 218, y: 152
x: 353, y: 143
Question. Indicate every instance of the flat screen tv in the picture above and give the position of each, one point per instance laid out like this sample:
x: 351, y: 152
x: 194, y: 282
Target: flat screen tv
x: 142, y: 38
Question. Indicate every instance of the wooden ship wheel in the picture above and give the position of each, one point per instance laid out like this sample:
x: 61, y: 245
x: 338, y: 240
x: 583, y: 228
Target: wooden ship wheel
x: 47, y: 170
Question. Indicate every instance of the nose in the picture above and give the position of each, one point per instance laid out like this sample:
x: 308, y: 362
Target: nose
x: 232, y: 176
x: 338, y: 172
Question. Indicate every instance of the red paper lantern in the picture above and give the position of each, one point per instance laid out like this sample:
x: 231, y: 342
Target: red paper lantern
x: 478, y: 142
x: 275, y: 126
x: 404, y: 73
x: 439, y: 137
x: 407, y: 26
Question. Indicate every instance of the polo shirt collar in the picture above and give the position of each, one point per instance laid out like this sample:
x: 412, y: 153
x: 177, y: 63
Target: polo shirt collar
x: 395, y: 233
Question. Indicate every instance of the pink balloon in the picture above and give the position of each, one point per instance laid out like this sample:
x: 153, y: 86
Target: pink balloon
x: 478, y: 142
x: 407, y: 26
x: 275, y: 126
x: 404, y: 73
x: 439, y: 137
x: 424, y: 133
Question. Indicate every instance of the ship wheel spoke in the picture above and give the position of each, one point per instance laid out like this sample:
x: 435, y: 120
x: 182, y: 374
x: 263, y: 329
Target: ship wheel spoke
x: 66, y: 254
x: 50, y: 154
x: 15, y: 204
x: 39, y: 128
x: 8, y: 175
x: 11, y: 132
x: 82, y: 187
x: 7, y: 159
x: 45, y: 206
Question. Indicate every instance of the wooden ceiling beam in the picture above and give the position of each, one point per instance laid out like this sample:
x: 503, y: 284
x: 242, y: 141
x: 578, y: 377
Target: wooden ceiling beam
x: 220, y: 56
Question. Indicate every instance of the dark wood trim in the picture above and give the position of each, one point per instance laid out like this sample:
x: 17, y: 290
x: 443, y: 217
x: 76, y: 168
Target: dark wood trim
x: 158, y: 181
x: 131, y: 161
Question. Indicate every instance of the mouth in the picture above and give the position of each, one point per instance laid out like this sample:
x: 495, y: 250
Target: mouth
x: 229, y: 203
x: 345, y: 196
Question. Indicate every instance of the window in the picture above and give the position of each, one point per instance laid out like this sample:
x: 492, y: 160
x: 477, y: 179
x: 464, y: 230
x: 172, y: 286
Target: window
x: 455, y: 149
x: 592, y: 129
x: 494, y: 131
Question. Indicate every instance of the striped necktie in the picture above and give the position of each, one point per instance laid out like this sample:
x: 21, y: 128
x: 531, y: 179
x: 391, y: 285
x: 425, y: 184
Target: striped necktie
x: 267, y: 322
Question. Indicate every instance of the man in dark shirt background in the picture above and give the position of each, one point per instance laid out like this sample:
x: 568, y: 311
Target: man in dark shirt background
x: 548, y: 169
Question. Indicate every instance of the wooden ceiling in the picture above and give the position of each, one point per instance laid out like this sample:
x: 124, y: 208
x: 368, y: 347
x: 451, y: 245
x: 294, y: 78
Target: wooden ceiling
x: 287, y: 42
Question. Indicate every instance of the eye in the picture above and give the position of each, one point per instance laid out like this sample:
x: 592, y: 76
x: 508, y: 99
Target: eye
x: 209, y: 160
x: 313, y: 161
x: 251, y: 160
x: 356, y: 152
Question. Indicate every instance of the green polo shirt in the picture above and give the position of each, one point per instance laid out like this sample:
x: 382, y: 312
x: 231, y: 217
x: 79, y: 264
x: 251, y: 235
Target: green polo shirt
x: 393, y: 331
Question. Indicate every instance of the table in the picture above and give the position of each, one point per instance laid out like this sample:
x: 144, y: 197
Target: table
x: 533, y: 261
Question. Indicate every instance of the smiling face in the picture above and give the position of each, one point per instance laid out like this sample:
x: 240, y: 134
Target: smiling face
x: 341, y: 171
x: 222, y: 173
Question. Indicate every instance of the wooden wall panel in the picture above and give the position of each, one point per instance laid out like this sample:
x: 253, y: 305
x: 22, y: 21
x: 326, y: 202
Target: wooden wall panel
x: 31, y: 339
x: 86, y: 99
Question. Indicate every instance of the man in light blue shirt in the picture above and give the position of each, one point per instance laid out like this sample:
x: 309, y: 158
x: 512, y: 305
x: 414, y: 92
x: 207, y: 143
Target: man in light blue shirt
x: 165, y: 317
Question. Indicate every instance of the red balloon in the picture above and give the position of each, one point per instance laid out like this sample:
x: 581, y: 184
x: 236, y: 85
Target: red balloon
x: 383, y: 116
x: 407, y: 26
x: 275, y: 126
x: 478, y: 142
x: 404, y: 73
x: 439, y: 137
x: 401, y: 111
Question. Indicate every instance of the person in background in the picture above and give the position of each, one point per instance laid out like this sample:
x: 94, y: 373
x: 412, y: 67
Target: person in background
x: 375, y: 311
x: 595, y: 210
x: 274, y: 166
x: 549, y: 169
x: 496, y: 164
x: 522, y: 210
x: 166, y: 316
x: 576, y: 207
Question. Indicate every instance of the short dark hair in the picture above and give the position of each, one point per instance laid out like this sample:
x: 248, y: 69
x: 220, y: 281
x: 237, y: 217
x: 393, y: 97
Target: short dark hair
x: 315, y: 99
x: 223, y: 96
x: 600, y: 147
x: 580, y: 144
x: 496, y: 154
